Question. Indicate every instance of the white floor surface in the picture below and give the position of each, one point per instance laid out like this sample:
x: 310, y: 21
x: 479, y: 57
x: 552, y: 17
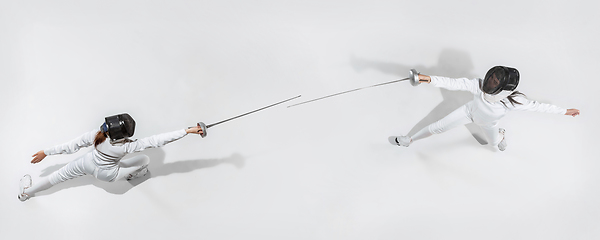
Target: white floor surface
x: 322, y: 170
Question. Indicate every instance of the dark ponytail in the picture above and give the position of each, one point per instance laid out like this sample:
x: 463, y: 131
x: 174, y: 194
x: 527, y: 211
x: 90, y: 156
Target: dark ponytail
x: 511, y: 98
x: 100, y: 138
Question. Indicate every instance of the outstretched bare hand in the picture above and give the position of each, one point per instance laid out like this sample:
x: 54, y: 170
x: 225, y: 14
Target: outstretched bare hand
x: 38, y: 156
x: 573, y: 112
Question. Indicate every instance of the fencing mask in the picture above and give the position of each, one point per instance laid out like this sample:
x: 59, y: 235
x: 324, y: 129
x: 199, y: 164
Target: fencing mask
x: 118, y: 126
x: 499, y: 83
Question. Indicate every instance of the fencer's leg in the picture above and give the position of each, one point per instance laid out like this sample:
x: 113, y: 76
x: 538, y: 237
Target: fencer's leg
x: 495, y: 137
x: 456, y: 118
x: 24, y: 184
x: 78, y: 167
x: 423, y: 133
x: 403, y: 141
x: 502, y: 145
x: 134, y: 167
x: 40, y: 185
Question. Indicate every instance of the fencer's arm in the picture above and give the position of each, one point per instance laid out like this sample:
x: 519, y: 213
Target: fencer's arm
x: 72, y: 146
x: 535, y: 106
x: 159, y: 140
x: 85, y: 140
x: 454, y: 84
x: 38, y: 157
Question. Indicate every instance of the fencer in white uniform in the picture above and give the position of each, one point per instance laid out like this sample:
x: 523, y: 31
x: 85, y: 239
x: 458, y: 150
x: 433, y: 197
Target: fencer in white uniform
x: 104, y: 161
x: 493, y: 97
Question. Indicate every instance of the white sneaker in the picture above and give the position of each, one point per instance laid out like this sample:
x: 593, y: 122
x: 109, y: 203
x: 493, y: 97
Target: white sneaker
x: 138, y: 173
x: 24, y: 184
x: 502, y: 145
x: 404, y: 141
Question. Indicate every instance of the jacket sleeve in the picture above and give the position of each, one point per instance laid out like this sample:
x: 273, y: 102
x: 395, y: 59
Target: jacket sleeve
x: 85, y: 140
x: 462, y: 84
x: 535, y: 106
x: 155, y: 141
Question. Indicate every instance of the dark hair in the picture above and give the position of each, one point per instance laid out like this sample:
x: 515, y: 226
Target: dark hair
x: 100, y: 138
x: 511, y: 98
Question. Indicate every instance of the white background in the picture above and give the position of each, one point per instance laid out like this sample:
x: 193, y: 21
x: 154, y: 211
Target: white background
x: 323, y: 170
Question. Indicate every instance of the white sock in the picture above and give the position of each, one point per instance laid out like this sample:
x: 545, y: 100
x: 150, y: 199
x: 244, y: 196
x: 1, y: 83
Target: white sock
x: 423, y: 133
x: 43, y: 184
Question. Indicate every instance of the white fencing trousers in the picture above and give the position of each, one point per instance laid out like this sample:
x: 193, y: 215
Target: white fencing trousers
x: 85, y: 165
x: 458, y: 117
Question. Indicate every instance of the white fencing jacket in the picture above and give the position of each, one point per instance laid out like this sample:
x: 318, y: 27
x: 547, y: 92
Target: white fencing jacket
x: 107, y: 155
x: 483, y: 112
